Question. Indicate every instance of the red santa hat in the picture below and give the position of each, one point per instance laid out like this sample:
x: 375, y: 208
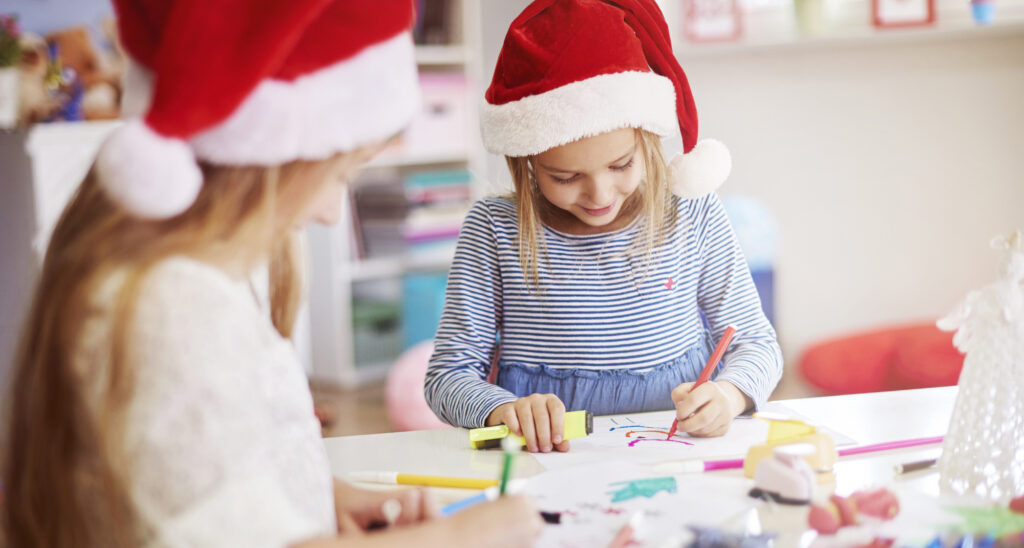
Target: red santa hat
x: 571, y: 69
x: 252, y: 82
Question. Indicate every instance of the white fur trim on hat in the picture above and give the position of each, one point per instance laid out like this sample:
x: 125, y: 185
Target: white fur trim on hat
x: 369, y: 97
x: 581, y: 109
x: 150, y: 175
x: 700, y: 171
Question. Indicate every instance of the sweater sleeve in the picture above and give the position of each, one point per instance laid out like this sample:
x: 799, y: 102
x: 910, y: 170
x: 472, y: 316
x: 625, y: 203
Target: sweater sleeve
x: 456, y: 387
x: 727, y: 296
x: 221, y: 433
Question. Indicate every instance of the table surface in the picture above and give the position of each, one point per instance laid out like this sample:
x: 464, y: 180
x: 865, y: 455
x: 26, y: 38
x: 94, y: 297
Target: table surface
x: 867, y: 418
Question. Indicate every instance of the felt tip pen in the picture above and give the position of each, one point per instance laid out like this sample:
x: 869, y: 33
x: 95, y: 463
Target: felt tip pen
x: 491, y: 493
x: 709, y: 367
x: 908, y: 467
x: 417, y: 479
x: 509, y: 447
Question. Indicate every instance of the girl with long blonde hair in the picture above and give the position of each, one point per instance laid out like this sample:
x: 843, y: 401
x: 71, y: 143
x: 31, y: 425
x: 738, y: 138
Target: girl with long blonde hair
x: 603, y: 280
x: 156, y: 397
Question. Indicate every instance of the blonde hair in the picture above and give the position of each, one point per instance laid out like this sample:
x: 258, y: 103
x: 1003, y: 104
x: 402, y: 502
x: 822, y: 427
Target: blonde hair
x: 63, y: 469
x: 655, y: 207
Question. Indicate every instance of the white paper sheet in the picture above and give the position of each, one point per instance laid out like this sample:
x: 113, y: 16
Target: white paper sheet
x: 640, y: 438
x: 596, y: 500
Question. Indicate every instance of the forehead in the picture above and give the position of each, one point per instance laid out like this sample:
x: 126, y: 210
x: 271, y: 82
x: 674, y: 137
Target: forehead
x: 590, y: 152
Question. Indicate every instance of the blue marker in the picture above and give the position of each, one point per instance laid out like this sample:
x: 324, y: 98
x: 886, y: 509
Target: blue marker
x: 491, y: 493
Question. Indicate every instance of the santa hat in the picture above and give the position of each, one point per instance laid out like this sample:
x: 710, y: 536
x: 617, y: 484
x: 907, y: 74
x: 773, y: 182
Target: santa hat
x: 252, y: 82
x: 571, y: 69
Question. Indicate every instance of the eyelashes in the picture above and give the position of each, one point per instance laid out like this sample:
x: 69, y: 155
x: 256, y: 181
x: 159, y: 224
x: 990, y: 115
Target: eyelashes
x: 568, y: 180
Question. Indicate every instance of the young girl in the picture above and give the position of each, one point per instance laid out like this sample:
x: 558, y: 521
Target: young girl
x: 593, y: 277
x: 156, y: 399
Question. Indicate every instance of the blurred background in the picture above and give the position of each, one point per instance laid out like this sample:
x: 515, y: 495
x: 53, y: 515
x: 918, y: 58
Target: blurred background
x: 878, y: 146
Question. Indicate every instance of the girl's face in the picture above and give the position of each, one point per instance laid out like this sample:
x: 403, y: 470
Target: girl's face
x: 593, y: 177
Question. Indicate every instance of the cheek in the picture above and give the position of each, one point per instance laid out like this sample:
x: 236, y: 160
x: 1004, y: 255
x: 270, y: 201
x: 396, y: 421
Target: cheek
x: 326, y: 210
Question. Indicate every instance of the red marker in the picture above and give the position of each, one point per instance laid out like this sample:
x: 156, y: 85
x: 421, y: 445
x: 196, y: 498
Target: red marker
x: 709, y: 367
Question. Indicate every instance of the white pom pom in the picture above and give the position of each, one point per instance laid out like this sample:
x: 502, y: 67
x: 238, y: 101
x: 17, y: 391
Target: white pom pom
x: 149, y: 175
x: 701, y: 170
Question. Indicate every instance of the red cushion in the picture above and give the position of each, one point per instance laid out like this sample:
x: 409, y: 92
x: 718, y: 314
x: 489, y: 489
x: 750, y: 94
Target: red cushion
x: 888, y: 359
x: 928, y: 359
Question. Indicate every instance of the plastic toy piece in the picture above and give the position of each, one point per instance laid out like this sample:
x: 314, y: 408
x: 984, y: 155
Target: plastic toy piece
x: 1017, y: 504
x: 879, y: 503
x: 786, y: 477
x: 783, y: 430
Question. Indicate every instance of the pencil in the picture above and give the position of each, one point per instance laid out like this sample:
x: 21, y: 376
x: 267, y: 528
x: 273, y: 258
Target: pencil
x: 709, y: 367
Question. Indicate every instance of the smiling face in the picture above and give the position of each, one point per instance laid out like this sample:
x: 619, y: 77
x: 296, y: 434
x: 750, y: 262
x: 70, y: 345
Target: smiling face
x: 592, y: 182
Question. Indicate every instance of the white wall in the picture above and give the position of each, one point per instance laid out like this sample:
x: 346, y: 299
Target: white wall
x: 889, y: 166
x: 889, y: 169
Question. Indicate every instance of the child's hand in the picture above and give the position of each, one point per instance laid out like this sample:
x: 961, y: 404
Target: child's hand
x: 509, y: 521
x: 358, y: 509
x: 707, y: 410
x: 538, y: 418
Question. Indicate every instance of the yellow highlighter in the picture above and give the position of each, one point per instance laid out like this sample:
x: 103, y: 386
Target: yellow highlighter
x: 578, y: 424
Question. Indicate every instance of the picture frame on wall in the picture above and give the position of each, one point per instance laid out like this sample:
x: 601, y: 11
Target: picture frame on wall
x: 902, y: 13
x: 712, y: 20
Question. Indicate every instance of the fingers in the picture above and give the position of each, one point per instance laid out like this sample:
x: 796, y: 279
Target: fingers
x: 556, y: 410
x: 680, y: 392
x: 563, y: 446
x: 541, y: 418
x: 704, y: 411
x: 430, y: 508
x: 691, y: 401
x: 511, y: 419
x: 525, y: 412
x: 347, y: 525
x: 542, y: 423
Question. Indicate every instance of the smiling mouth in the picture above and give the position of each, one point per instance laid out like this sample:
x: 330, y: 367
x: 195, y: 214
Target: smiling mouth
x: 598, y: 212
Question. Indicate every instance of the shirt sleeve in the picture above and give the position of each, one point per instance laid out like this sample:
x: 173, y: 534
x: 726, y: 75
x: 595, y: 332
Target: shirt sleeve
x: 456, y: 387
x: 727, y: 296
x: 222, y: 450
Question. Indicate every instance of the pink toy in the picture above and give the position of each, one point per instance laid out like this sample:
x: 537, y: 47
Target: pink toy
x: 879, y: 503
x: 407, y: 408
x: 786, y: 477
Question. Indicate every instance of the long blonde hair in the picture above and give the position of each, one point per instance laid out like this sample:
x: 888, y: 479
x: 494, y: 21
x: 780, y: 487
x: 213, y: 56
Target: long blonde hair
x: 655, y: 207
x: 63, y: 471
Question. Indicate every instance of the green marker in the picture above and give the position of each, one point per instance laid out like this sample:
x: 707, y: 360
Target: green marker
x: 510, y: 446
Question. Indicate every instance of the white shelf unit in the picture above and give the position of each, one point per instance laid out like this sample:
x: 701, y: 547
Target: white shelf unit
x: 334, y: 271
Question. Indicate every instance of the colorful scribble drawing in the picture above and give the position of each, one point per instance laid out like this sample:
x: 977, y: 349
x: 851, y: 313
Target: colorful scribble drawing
x: 647, y: 487
x: 635, y: 431
x: 636, y: 441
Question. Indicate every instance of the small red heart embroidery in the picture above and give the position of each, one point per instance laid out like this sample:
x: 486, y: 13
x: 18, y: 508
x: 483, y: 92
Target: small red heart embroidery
x: 668, y: 284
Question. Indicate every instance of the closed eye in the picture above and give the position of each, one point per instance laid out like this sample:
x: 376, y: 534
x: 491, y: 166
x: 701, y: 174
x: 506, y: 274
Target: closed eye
x: 566, y: 181
x: 623, y: 167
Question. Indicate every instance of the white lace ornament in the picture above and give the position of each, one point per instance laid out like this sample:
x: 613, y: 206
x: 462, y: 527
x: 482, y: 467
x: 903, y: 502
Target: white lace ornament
x: 983, y: 452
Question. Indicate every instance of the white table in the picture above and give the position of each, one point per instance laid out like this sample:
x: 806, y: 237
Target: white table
x: 867, y: 418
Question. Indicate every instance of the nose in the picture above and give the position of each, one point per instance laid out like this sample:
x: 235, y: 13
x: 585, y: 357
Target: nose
x: 600, y: 191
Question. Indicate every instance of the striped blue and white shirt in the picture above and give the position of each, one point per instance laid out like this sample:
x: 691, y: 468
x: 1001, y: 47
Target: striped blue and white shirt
x: 597, y: 308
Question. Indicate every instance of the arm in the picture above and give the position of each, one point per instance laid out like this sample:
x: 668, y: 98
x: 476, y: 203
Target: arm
x: 456, y: 387
x: 507, y: 522
x: 726, y: 294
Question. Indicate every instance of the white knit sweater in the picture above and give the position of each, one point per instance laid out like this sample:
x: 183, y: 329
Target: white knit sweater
x: 221, y: 438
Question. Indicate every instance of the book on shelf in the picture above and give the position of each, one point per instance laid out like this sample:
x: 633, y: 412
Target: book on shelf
x: 420, y: 213
x: 435, y: 22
